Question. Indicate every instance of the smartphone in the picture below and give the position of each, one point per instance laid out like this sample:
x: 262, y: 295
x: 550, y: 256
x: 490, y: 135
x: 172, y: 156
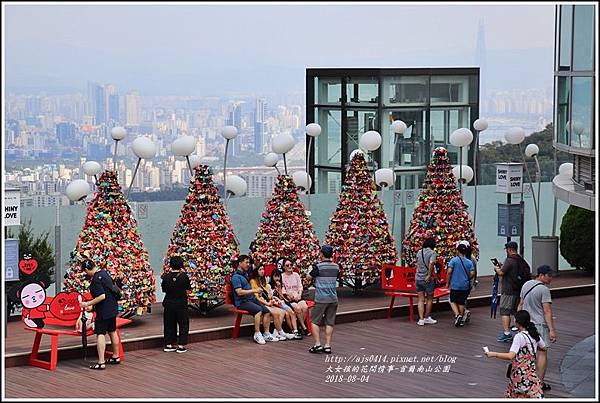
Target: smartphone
x: 495, y: 261
x: 486, y: 349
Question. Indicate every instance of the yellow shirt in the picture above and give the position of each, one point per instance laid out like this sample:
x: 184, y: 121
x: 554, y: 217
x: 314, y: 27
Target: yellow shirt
x: 261, y: 295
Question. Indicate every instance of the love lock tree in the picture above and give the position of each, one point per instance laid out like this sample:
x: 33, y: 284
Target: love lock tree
x: 111, y: 239
x: 204, y: 237
x: 285, y: 230
x: 441, y: 213
x: 359, y: 231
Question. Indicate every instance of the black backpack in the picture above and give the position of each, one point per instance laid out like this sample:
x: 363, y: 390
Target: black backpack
x: 522, y: 274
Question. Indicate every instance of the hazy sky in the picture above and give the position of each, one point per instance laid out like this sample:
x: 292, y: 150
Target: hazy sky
x: 248, y: 46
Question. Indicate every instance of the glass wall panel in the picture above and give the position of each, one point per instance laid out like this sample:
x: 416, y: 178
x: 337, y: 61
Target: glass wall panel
x: 563, y: 89
x: 328, y: 181
x: 412, y: 148
x: 405, y: 90
x: 566, y: 22
x: 358, y: 122
x: 583, y: 43
x: 362, y: 91
x: 328, y: 90
x: 328, y: 146
x: 582, y: 112
x: 449, y: 90
x: 443, y: 122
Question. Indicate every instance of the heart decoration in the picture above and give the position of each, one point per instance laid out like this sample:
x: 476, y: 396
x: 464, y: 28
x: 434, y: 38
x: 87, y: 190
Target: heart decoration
x: 28, y: 266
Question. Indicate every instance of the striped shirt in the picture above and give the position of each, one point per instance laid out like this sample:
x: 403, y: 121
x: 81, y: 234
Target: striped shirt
x: 325, y: 275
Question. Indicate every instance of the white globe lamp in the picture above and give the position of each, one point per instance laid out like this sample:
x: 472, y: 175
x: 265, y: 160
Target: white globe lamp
x: 184, y: 146
x: 77, y: 190
x: 302, y: 180
x: 532, y: 150
x: 384, y: 177
x: 370, y: 141
x: 236, y: 185
x: 398, y: 127
x: 144, y: 148
x: 229, y: 132
x: 118, y: 133
x: 313, y: 129
x: 515, y: 135
x: 92, y: 168
x: 461, y: 137
x: 480, y: 125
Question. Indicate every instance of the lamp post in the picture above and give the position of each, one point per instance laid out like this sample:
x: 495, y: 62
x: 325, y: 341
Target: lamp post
x: 228, y: 133
x: 283, y: 144
x: 271, y: 160
x: 312, y: 130
x: 461, y: 138
x: 236, y: 186
x: 398, y: 127
x: 184, y: 146
x: 118, y: 133
x: 479, y: 125
x: 371, y: 141
x: 532, y: 151
x: 144, y: 148
x: 516, y: 135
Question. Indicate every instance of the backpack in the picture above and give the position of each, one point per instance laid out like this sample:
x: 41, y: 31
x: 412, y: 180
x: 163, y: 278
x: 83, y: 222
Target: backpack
x: 523, y: 273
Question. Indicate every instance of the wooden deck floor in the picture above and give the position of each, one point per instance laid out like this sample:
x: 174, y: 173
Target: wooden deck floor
x: 241, y: 368
x: 19, y: 341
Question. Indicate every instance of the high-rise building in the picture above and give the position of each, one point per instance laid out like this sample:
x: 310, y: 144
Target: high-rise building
x: 481, y: 61
x: 260, y: 122
x: 97, y: 104
x: 33, y: 106
x: 66, y: 134
x: 574, y: 95
x: 235, y: 119
x: 112, y: 102
x: 132, y: 109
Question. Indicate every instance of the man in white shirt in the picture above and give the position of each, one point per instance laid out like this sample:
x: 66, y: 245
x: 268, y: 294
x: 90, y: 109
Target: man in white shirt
x: 536, y: 299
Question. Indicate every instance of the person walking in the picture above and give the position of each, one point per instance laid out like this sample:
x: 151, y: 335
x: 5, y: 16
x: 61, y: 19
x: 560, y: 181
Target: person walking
x: 509, y: 299
x: 175, y: 285
x: 106, y: 307
x: 425, y: 282
x: 325, y: 274
x: 460, y: 272
x: 524, y: 382
x: 536, y: 299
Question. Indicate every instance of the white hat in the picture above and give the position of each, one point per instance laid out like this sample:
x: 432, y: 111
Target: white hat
x: 463, y: 242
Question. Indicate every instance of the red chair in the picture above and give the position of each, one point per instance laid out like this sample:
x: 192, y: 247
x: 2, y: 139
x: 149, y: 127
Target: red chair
x: 399, y: 281
x: 239, y: 312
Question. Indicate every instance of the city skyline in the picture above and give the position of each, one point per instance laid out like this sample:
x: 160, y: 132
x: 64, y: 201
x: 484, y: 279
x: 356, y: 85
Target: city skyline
x: 208, y: 50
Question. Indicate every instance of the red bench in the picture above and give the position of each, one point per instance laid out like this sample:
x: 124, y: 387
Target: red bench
x: 67, y: 328
x: 240, y: 312
x: 399, y: 281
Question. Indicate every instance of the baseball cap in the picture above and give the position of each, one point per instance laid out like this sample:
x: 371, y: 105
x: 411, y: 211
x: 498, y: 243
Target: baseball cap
x: 327, y: 251
x: 511, y: 245
x: 87, y: 264
x: 544, y: 269
x: 463, y: 242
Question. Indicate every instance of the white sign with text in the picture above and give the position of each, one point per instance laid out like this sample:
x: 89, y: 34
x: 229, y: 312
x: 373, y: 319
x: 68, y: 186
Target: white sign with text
x: 509, y: 178
x: 12, y: 207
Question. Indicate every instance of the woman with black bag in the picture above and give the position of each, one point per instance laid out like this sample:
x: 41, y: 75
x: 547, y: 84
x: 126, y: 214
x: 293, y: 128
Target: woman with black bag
x: 524, y: 382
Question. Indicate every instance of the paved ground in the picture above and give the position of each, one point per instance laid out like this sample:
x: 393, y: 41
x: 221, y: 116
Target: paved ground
x: 387, y: 358
x: 578, y: 370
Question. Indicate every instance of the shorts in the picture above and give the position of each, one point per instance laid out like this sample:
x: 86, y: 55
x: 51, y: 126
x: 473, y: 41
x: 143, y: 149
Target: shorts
x: 323, y: 313
x: 286, y: 307
x: 427, y: 288
x: 508, y: 304
x: 544, y: 332
x: 459, y: 296
x: 102, y: 326
x: 253, y: 307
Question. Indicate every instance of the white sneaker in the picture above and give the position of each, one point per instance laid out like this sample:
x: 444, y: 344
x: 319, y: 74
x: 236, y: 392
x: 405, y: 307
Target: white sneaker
x: 289, y: 336
x: 259, y: 338
x: 281, y: 336
x: 269, y: 337
x: 430, y: 321
x: 421, y: 322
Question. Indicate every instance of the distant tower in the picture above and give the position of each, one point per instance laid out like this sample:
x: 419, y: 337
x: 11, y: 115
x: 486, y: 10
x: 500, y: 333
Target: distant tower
x: 481, y: 61
x: 259, y: 125
x: 235, y: 119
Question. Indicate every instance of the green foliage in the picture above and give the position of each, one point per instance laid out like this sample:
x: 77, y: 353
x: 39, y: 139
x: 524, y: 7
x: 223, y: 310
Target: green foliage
x: 41, y: 250
x: 577, y: 238
x: 496, y: 151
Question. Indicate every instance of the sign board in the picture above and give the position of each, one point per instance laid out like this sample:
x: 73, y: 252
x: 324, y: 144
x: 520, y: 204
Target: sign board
x: 509, y: 220
x: 142, y: 210
x: 11, y: 260
x: 527, y: 190
x: 410, y: 197
x: 509, y: 178
x: 12, y: 207
x: 397, y: 196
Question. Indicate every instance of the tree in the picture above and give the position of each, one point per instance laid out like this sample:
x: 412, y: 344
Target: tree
x: 204, y: 237
x: 578, y: 238
x: 285, y: 230
x: 42, y: 252
x: 359, y: 231
x: 111, y: 239
x: 441, y: 213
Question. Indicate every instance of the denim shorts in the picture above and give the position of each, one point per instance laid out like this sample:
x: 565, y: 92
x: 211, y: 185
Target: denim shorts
x: 427, y: 288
